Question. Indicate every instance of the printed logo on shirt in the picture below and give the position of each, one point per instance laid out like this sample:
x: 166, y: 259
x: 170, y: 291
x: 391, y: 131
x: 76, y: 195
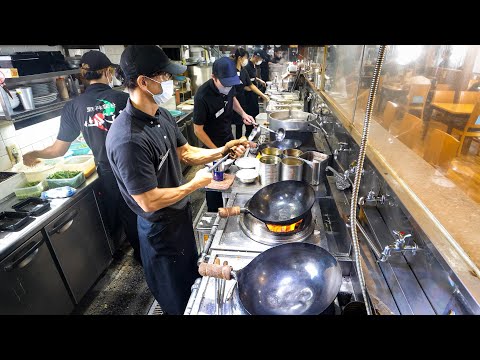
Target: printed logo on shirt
x: 100, y: 117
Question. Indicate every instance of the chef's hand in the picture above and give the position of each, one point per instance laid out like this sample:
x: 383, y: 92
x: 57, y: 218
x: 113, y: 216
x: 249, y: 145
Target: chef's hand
x: 236, y: 147
x: 266, y: 98
x: 30, y: 160
x: 248, y: 119
x: 252, y: 144
x: 202, y: 178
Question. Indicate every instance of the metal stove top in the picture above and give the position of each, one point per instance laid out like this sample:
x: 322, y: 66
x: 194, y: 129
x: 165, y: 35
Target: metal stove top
x: 205, y: 302
x: 230, y: 236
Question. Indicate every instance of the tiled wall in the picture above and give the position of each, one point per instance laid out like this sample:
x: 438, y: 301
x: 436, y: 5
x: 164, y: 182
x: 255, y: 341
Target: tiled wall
x: 35, y: 137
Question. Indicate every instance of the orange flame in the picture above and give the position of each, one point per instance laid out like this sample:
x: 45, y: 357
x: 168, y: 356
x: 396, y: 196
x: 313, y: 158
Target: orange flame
x: 284, y: 228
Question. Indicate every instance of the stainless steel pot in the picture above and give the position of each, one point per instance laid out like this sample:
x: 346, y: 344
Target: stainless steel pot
x: 198, y: 75
x: 292, y: 169
x: 315, y: 173
x: 291, y: 120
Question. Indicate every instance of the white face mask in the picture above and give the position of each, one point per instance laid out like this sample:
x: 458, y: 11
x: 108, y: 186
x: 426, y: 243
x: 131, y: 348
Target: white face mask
x: 245, y: 62
x: 166, y: 94
x: 225, y: 90
x: 258, y: 62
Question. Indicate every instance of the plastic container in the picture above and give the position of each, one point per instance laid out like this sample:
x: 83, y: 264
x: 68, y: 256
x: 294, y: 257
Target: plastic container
x: 74, y: 182
x: 85, y: 163
x: 79, y: 148
x: 31, y: 191
x: 35, y: 173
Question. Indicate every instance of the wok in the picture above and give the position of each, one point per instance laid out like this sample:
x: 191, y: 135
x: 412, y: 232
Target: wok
x: 288, y: 279
x: 280, y: 203
x: 284, y: 144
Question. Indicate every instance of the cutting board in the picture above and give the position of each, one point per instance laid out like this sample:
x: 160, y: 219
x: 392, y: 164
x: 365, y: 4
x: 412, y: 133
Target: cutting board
x: 222, y: 185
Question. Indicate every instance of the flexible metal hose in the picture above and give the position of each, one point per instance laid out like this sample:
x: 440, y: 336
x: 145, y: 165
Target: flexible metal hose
x: 358, y: 172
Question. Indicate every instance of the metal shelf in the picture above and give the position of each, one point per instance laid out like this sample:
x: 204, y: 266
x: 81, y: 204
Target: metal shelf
x: 29, y: 78
x: 25, y: 114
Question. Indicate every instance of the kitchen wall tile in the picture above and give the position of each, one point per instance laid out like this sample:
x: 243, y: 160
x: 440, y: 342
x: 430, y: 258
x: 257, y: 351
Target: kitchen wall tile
x: 5, y: 163
x: 3, y: 150
x: 48, y: 141
x: 11, y: 141
x: 26, y: 149
x: 7, y: 131
x: 38, y: 145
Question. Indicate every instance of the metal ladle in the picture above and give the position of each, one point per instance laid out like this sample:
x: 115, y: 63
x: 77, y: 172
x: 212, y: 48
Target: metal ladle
x: 252, y: 136
x: 279, y: 134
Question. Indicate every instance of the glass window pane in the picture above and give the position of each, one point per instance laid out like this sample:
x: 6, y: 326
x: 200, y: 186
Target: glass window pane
x: 342, y: 75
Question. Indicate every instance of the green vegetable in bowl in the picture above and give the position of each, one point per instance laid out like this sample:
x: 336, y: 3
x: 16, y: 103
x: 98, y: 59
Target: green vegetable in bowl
x: 64, y: 175
x: 30, y: 184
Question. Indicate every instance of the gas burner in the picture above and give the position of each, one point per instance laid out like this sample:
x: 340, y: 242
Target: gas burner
x: 260, y: 232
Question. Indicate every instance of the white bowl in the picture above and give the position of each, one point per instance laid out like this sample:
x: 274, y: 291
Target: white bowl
x: 247, y: 175
x: 246, y: 163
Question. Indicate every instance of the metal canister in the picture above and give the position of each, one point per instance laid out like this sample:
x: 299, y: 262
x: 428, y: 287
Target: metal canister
x: 316, y: 173
x: 292, y: 153
x: 269, y: 169
x: 292, y: 169
x: 271, y: 151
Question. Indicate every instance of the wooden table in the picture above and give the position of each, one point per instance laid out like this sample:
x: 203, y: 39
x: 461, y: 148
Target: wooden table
x: 454, y: 112
x: 390, y: 92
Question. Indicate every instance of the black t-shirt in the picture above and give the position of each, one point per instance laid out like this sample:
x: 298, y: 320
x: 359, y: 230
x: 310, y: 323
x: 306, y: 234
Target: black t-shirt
x: 239, y: 89
x: 136, y: 144
x: 214, y: 111
x: 92, y: 113
x: 251, y: 70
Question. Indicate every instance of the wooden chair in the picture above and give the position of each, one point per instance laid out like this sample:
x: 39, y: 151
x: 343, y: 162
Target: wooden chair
x: 443, y: 87
x: 389, y: 114
x: 443, y: 96
x: 471, y: 129
x: 416, y: 98
x: 409, y: 131
x: 440, y: 148
x: 469, y: 97
x: 362, y: 100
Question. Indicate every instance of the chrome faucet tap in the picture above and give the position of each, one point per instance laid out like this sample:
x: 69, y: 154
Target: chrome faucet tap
x: 373, y: 199
x: 341, y: 181
x: 398, y: 246
x: 343, y: 147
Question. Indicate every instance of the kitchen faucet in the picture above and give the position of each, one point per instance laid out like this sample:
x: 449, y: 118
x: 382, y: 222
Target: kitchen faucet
x: 373, y: 199
x: 343, y: 147
x: 342, y: 182
x: 398, y: 245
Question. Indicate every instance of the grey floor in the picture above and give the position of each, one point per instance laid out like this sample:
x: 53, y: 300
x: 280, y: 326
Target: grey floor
x: 122, y: 289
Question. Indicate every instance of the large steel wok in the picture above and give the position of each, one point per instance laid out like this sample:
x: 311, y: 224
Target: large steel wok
x: 280, y: 203
x: 289, y: 279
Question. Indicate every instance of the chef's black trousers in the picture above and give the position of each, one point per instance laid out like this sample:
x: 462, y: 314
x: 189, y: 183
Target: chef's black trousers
x: 116, y: 210
x: 169, y: 256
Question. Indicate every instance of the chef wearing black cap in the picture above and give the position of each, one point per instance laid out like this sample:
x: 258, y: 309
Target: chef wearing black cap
x: 92, y: 114
x: 145, y: 147
x: 214, y: 105
x: 252, y: 96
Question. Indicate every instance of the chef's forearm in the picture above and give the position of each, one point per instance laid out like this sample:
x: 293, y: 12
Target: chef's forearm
x: 160, y: 198
x: 197, y: 156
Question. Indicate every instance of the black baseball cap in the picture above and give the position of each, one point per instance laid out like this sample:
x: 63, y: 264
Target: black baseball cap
x: 95, y: 60
x: 260, y: 53
x: 224, y: 69
x: 147, y: 60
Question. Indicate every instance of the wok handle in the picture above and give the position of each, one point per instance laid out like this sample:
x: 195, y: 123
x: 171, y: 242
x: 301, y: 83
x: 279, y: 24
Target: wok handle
x: 231, y: 211
x: 216, y: 271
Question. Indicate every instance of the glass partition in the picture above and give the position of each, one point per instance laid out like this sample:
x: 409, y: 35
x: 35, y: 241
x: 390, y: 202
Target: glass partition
x: 428, y: 106
x: 342, y: 75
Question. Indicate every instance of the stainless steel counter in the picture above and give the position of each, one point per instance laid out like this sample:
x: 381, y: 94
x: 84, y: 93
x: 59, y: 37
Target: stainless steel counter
x: 9, y: 240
